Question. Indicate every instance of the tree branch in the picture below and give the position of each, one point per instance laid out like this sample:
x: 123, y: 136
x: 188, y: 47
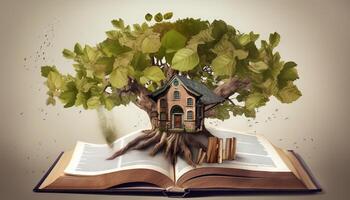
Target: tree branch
x: 169, y: 72
x: 226, y: 90
x: 143, y: 101
x: 231, y: 86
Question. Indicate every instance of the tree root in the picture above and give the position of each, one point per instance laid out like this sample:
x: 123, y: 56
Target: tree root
x: 171, y: 143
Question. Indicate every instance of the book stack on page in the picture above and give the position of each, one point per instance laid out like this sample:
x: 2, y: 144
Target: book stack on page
x: 258, y: 167
x: 217, y: 152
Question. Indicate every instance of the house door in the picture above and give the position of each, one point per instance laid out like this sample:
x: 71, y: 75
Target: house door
x: 177, y: 120
x: 176, y: 116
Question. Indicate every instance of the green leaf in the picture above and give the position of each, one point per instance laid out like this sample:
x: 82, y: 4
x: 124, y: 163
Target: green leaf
x: 151, y: 44
x: 173, y: 41
x: 276, y: 68
x: 45, y: 70
x: 289, y: 65
x: 224, y: 46
x: 50, y: 101
x: 289, y: 93
x: 78, y: 49
x: 96, y: 90
x: 185, y: 59
x: 288, y: 74
x: 93, y: 102
x: 241, y: 54
x: 68, y: 98
x: 154, y: 73
x: 113, y: 34
x: 249, y: 113
x: 269, y: 87
x: 91, y: 53
x: 140, y: 61
x: 118, y: 23
x: 219, y: 28
x: 244, y: 39
x: 224, y: 65
x: 68, y: 54
x: 202, y: 37
x: 222, y: 111
x: 109, y: 103
x: 119, y: 77
x: 144, y: 26
x: 113, y: 47
x: 255, y: 100
x: 103, y: 66
x: 258, y: 67
x: 274, y: 39
x: 189, y: 26
x: 168, y: 15
x: 137, y: 27
x: 54, y: 80
x: 158, y: 17
x: 143, y: 80
x: 253, y: 36
x: 83, y: 85
x: 148, y: 17
x: 123, y: 59
x: 81, y: 99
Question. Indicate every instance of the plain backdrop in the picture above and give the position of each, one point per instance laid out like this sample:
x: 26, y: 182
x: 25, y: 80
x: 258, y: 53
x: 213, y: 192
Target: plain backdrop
x: 315, y: 34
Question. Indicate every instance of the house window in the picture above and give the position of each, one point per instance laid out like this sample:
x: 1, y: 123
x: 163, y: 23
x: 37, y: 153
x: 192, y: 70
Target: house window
x: 162, y: 116
x: 176, y: 82
x: 189, y: 102
x: 162, y: 103
x: 176, y: 95
x: 190, y: 115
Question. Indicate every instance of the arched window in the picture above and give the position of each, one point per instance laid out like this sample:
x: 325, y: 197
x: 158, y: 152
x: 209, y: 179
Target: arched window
x: 162, y: 103
x: 190, y: 115
x: 176, y: 95
x: 189, y: 102
x: 162, y: 116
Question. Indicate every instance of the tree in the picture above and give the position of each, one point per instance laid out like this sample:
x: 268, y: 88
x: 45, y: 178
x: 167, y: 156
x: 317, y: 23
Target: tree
x: 134, y: 61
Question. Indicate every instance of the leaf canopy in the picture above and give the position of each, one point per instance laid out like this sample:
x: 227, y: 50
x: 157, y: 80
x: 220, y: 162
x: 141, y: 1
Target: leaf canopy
x: 208, y: 52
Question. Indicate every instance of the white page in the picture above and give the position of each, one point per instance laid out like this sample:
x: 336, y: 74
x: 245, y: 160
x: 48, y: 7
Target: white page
x: 90, y: 159
x: 253, y: 153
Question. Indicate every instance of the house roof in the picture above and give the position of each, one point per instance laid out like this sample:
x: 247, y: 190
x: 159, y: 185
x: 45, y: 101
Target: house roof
x: 206, y: 96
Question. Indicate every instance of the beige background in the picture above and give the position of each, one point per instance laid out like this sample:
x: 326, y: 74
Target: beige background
x: 315, y: 34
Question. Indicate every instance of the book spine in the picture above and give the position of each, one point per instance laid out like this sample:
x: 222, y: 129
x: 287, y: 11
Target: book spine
x: 204, y: 154
x: 233, y: 146
x: 212, y: 150
x: 220, y: 149
x: 214, y: 157
x: 211, y: 142
x: 227, y: 149
x: 199, y: 155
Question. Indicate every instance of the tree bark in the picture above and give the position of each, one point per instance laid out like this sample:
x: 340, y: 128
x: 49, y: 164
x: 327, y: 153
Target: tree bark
x: 143, y: 100
x: 230, y: 87
x: 226, y: 90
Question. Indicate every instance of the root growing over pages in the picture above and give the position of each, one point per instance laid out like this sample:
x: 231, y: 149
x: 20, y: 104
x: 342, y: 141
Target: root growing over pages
x: 171, y: 143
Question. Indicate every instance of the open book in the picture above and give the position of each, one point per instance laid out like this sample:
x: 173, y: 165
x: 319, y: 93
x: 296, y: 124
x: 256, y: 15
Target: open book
x: 259, y: 166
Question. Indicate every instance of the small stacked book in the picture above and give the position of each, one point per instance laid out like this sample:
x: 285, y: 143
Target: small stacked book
x: 217, y: 151
x: 258, y: 167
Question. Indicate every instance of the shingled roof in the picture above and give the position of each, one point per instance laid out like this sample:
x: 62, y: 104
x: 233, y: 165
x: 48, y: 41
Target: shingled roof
x: 206, y: 96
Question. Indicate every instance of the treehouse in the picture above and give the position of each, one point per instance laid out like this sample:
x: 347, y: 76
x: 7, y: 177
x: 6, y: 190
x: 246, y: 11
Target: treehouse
x: 181, y: 103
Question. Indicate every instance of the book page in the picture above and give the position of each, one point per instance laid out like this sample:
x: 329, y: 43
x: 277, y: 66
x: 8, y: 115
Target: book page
x: 254, y: 152
x: 90, y: 159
